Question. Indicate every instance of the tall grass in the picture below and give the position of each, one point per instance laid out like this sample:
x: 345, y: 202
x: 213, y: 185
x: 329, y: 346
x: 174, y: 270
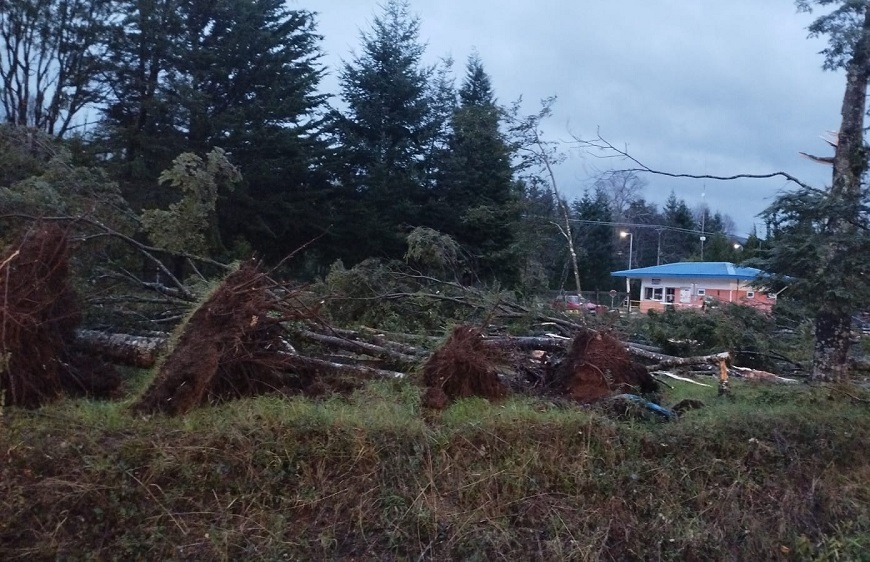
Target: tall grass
x: 776, y: 473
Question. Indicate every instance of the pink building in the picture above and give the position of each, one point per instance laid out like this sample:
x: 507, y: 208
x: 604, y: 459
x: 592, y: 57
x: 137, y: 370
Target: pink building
x: 691, y: 284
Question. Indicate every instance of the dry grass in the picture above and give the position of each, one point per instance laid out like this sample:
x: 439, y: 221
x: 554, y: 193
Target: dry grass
x: 778, y: 474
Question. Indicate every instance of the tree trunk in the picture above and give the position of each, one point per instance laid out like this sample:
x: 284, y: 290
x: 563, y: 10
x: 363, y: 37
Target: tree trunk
x: 832, y: 337
x: 833, y: 333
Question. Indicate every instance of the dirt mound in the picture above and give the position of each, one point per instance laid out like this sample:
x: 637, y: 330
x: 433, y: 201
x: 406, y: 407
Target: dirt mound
x: 598, y: 366
x: 462, y: 367
x: 231, y: 347
x: 38, y: 316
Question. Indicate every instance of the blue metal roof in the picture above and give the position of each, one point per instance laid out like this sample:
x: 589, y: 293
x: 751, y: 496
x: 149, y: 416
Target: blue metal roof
x: 696, y: 269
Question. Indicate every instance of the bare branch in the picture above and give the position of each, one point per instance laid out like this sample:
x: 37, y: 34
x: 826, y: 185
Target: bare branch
x: 610, y: 151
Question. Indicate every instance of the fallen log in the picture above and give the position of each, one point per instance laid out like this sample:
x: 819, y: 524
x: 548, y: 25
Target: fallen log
x: 665, y: 361
x: 377, y: 339
x: 679, y: 378
x: 391, y: 358
x: 297, y: 360
x: 124, y: 349
x: 528, y: 343
x: 764, y: 376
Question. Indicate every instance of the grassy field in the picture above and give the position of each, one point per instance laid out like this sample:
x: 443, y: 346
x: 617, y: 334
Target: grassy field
x: 776, y: 473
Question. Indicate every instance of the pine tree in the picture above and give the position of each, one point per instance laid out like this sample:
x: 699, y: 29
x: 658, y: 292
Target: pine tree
x: 677, y: 243
x: 595, y: 240
x: 476, y: 197
x: 394, y: 122
x: 240, y: 75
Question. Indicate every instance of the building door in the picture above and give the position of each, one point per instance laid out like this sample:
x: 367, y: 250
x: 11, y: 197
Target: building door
x: 685, y: 295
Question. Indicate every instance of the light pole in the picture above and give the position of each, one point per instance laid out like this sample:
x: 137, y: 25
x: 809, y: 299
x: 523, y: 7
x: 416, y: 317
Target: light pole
x: 623, y: 234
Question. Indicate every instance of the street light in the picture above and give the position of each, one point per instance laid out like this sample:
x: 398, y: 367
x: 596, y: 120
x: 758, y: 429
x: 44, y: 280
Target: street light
x: 623, y: 234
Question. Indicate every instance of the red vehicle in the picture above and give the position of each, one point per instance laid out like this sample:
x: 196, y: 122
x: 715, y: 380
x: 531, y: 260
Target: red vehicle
x: 569, y: 302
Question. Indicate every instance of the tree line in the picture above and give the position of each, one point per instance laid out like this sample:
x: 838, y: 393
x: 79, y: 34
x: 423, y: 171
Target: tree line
x: 129, y: 85
x: 199, y: 125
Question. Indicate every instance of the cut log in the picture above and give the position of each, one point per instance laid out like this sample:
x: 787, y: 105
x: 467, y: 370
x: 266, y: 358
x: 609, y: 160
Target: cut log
x: 125, y: 349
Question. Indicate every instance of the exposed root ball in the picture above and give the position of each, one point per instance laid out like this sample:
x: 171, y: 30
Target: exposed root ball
x: 231, y: 347
x: 598, y: 366
x: 462, y: 367
x: 38, y: 316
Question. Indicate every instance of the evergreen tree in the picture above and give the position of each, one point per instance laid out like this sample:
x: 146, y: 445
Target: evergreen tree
x: 645, y: 240
x: 677, y: 243
x: 236, y: 74
x: 595, y: 240
x: 138, y: 128
x: 476, y: 198
x: 393, y: 123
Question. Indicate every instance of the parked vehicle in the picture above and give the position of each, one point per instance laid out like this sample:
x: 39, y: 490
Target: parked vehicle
x: 569, y: 303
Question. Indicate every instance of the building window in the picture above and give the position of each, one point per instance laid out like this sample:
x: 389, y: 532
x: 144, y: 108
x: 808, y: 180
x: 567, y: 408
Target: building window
x: 750, y: 294
x: 652, y: 294
x: 702, y: 292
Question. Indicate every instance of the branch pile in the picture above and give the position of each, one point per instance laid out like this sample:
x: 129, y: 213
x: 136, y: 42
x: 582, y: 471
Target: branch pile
x: 38, y: 317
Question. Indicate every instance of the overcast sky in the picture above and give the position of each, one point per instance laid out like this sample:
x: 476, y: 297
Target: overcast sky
x: 691, y: 87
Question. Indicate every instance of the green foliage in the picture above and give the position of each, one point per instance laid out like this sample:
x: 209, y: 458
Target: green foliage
x: 185, y: 225
x: 842, y: 26
x: 824, y: 266
x: 739, y: 329
x: 395, y: 121
x: 475, y: 197
x: 594, y: 240
x: 236, y: 74
x: 433, y: 250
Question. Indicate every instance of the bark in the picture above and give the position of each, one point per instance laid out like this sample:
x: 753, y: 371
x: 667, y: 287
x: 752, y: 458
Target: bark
x: 341, y: 368
x: 528, y: 343
x: 832, y: 341
x: 833, y: 337
x: 135, y: 351
x: 665, y: 361
x: 379, y: 340
x: 391, y: 358
x: 764, y: 376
